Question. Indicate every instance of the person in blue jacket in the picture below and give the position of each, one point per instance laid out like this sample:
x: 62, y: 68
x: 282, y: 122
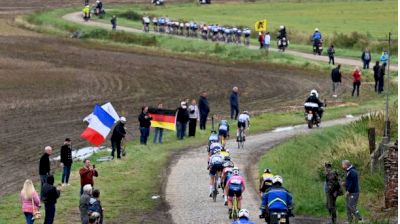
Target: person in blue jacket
x: 352, y: 191
x: 243, y: 217
x: 276, y: 199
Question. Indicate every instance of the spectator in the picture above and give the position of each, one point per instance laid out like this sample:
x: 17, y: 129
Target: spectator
x: 261, y: 39
x: 182, y: 117
x: 352, y: 191
x: 66, y: 161
x: 86, y: 12
x: 44, y: 166
x: 114, y: 22
x: 356, y: 81
x: 95, y: 206
x: 50, y: 195
x: 30, y: 201
x: 193, y: 117
x: 204, y: 110
x: 144, y: 123
x: 376, y: 69
x: 332, y: 190
x: 267, y: 41
x: 384, y: 57
x: 117, y: 136
x: 84, y: 203
x: 87, y: 172
x: 158, y: 132
x: 381, y: 78
x: 331, y: 54
x: 336, y: 75
x: 234, y: 102
x: 99, y: 7
x: 366, y: 58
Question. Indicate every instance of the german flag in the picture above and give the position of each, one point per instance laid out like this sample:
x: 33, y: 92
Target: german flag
x: 163, y: 118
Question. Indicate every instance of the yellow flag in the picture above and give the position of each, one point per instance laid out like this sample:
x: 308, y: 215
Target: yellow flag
x: 261, y: 25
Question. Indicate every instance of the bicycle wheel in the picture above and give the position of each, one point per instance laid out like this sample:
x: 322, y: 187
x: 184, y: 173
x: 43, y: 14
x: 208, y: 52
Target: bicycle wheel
x: 215, y: 191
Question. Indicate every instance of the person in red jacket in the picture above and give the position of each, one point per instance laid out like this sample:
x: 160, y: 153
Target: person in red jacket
x: 87, y: 172
x: 356, y: 81
x: 261, y: 39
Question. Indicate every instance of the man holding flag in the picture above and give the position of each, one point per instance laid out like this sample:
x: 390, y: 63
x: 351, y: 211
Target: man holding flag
x: 117, y: 136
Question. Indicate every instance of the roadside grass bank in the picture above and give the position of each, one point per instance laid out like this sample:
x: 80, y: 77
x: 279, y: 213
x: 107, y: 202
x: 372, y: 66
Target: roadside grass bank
x: 300, y: 162
x: 127, y: 185
x: 349, y: 30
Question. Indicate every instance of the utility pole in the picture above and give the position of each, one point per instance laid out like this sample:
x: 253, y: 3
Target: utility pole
x: 386, y: 136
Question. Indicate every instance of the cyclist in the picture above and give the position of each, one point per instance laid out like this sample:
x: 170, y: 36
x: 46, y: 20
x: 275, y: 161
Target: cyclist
x: 161, y: 24
x: 225, y: 152
x: 213, y: 148
x: 234, y: 187
x: 215, y: 167
x: 238, y: 36
x: 146, y: 23
x: 212, y: 139
x: 155, y: 24
x: 276, y: 199
x: 313, y: 102
x: 223, y: 131
x: 247, y: 33
x: 265, y: 181
x: 243, y: 122
x: 226, y: 174
x: 243, y: 217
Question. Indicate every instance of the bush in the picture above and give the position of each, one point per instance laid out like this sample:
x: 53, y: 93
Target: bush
x: 122, y: 37
x: 130, y: 14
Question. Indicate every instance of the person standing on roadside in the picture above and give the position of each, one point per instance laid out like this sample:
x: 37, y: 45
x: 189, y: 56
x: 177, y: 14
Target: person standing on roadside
x: 117, y: 136
x: 50, y: 196
x: 376, y: 69
x: 114, y: 22
x: 384, y: 57
x: 87, y: 172
x: 381, y: 78
x: 261, y: 39
x: 234, y: 102
x: 352, y: 191
x: 336, y: 76
x: 267, y: 41
x: 144, y: 123
x: 193, y: 117
x: 158, y: 132
x: 44, y: 166
x: 182, y: 117
x: 84, y: 203
x: 30, y: 201
x: 356, y: 81
x: 66, y: 161
x: 331, y: 54
x: 366, y: 58
x: 332, y: 190
x: 204, y: 110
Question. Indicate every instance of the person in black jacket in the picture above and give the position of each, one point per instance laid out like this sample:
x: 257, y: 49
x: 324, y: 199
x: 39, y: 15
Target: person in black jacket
x: 352, y: 191
x: 44, y: 166
x: 381, y: 78
x: 204, y: 110
x: 117, y: 136
x: 376, y: 75
x: 144, y: 123
x: 314, y: 98
x: 234, y: 102
x: 182, y: 117
x: 95, y: 205
x: 336, y: 76
x: 50, y: 195
x: 366, y: 58
x: 66, y: 161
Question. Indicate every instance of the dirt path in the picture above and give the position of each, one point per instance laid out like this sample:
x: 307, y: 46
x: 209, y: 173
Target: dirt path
x: 187, y: 185
x: 77, y: 18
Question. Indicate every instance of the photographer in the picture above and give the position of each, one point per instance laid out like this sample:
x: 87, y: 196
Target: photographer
x: 87, y: 172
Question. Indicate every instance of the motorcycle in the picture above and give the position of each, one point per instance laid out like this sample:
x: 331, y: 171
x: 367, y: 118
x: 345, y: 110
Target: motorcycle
x: 317, y: 47
x: 278, y: 217
x: 282, y: 44
x: 311, y: 115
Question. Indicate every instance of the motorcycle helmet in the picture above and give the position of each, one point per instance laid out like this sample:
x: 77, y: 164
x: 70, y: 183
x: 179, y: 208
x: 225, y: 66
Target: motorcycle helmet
x: 235, y: 170
x: 246, y: 112
x: 316, y: 29
x: 314, y: 92
x: 277, y: 179
x: 244, y: 213
x: 281, y: 27
x: 267, y: 170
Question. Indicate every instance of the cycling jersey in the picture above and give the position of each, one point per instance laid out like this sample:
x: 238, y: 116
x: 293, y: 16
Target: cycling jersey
x: 161, y: 21
x: 244, y: 118
x: 236, y: 186
x: 155, y: 20
x: 266, y: 181
x: 146, y: 20
x: 215, y: 162
x: 224, y: 154
x: 214, y: 146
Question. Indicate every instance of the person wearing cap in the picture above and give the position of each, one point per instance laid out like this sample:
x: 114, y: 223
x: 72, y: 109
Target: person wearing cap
x: 234, y: 102
x: 144, y: 123
x: 182, y: 118
x: 44, y: 166
x: 117, y: 136
x: 66, y: 161
x: 332, y: 190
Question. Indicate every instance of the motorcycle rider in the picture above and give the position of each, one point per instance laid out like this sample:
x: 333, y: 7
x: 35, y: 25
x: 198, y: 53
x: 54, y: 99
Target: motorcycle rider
x: 276, y: 199
x: 317, y: 40
x: 282, y: 38
x: 314, y: 102
x: 266, y: 181
x: 243, y: 217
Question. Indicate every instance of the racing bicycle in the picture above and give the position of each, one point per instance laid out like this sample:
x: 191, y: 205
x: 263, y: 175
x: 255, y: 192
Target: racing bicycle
x: 235, y: 210
x: 240, y: 138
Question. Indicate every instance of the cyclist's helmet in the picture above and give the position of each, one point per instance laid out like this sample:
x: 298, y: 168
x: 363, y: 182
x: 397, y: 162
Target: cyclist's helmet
x: 224, y: 122
x: 246, y: 112
x: 235, y: 170
x: 217, y: 150
x: 267, y: 170
x: 277, y: 179
x: 227, y: 163
x: 244, y: 213
x: 314, y: 92
x: 281, y: 27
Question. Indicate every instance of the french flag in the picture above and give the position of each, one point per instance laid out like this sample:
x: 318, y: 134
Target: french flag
x: 99, y: 126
